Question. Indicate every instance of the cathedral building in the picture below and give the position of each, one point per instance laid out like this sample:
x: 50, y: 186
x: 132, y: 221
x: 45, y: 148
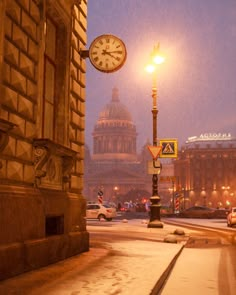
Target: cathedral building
x: 42, y: 110
x: 114, y: 135
x: 114, y: 165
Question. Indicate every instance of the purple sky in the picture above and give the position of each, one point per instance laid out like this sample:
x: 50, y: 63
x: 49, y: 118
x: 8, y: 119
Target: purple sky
x: 196, y: 84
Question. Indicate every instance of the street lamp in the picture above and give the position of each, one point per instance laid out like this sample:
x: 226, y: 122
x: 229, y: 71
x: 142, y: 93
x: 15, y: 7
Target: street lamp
x: 156, y: 59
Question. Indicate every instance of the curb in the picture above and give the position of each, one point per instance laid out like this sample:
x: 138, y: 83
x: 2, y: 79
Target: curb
x: 163, y: 278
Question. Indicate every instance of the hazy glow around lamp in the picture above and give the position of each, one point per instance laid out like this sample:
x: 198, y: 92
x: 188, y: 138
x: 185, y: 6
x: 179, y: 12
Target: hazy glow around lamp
x: 150, y: 68
x: 155, y: 59
x: 158, y: 59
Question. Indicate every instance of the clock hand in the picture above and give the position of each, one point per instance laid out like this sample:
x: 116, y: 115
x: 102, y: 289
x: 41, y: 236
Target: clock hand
x: 111, y: 54
x: 115, y: 51
x: 104, y: 52
x: 108, y: 52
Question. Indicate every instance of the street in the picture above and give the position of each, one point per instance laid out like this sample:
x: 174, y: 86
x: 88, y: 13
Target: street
x: 213, y: 271
x: 126, y: 257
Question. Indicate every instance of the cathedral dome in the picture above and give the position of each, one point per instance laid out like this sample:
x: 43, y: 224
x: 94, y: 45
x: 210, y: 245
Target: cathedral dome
x: 114, y: 135
x: 115, y: 110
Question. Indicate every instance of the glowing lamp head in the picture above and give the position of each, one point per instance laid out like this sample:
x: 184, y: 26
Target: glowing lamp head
x: 158, y: 59
x: 155, y: 59
x: 150, y: 68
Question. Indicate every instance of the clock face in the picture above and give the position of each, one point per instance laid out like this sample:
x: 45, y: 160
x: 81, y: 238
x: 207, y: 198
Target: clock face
x: 107, y: 53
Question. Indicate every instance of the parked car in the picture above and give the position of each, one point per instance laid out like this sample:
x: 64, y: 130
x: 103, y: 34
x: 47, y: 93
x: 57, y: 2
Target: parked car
x: 231, y: 218
x: 140, y: 207
x: 124, y: 209
x: 100, y: 211
x: 221, y: 213
x: 127, y: 207
x: 110, y: 204
x: 165, y: 210
x: 197, y: 212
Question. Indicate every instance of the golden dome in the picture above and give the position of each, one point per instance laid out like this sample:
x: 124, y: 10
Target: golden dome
x: 115, y: 110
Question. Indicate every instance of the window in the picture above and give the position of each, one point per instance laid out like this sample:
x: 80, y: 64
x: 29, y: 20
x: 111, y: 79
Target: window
x: 49, y: 81
x: 93, y: 207
x: 54, y: 225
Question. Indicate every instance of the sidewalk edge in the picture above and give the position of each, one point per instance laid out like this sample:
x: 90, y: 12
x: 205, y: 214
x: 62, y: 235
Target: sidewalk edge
x: 161, y: 281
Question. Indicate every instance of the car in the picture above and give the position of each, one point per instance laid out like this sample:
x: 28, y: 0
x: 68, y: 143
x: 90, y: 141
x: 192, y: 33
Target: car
x: 165, y: 210
x: 100, y: 211
x: 197, y: 212
x: 140, y: 207
x: 231, y: 218
x: 126, y: 207
x: 221, y: 213
x: 110, y: 204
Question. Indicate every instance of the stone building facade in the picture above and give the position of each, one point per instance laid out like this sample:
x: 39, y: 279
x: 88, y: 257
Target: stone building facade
x: 42, y: 91
x: 206, y: 171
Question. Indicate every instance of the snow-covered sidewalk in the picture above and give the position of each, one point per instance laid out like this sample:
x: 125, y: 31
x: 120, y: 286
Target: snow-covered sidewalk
x: 124, y: 267
x: 133, y: 267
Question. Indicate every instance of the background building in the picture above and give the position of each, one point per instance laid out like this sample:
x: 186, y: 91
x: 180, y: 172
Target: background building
x: 42, y: 89
x: 206, y: 171
x: 203, y: 174
x: 114, y: 164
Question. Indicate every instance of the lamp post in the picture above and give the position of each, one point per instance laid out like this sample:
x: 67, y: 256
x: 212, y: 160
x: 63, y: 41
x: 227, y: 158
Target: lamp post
x: 155, y: 219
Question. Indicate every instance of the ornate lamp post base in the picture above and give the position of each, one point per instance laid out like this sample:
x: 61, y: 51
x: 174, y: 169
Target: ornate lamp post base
x: 155, y: 207
x: 155, y: 224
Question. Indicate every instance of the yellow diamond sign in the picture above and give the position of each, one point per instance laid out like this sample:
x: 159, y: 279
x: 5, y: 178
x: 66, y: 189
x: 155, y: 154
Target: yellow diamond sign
x: 169, y: 148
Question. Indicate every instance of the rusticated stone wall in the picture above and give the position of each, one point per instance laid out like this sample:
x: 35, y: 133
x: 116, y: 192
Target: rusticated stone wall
x: 42, y: 209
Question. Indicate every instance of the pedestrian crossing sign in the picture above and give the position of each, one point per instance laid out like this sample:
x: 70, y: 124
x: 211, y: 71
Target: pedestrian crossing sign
x: 169, y: 148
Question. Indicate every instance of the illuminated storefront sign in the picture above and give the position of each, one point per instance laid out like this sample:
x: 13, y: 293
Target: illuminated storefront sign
x: 210, y: 136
